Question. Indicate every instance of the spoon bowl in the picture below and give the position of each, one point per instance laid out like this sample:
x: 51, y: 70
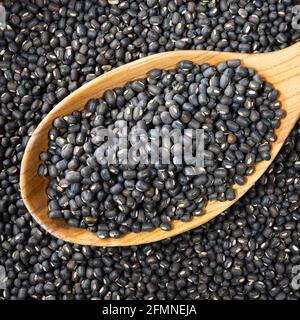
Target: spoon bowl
x: 280, y: 68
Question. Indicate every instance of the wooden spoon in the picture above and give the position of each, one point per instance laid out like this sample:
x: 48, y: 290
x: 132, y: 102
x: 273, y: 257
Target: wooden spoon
x: 281, y: 68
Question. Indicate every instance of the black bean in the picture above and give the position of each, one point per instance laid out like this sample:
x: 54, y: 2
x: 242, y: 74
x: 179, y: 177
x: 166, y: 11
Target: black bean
x: 55, y: 214
x: 230, y: 194
x: 142, y: 186
x: 232, y: 126
x: 73, y: 176
x: 67, y: 151
x: 114, y: 234
x: 239, y: 179
x: 175, y: 112
x: 147, y: 226
x: 116, y: 189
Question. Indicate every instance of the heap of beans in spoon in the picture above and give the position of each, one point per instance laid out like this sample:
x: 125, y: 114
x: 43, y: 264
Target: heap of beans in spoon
x: 235, y: 107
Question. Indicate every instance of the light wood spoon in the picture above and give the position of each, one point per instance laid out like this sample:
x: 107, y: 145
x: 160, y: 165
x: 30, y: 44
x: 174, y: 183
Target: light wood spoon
x: 281, y: 68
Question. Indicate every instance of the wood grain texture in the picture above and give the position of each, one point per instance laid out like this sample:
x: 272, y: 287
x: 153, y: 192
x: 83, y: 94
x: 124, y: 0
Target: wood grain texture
x: 281, y: 68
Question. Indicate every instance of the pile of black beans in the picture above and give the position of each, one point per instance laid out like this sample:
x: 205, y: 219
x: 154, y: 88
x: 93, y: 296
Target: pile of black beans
x: 49, y: 49
x: 237, y: 110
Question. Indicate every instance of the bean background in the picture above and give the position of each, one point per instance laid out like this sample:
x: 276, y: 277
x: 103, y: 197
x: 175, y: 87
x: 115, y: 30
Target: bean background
x: 49, y: 49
